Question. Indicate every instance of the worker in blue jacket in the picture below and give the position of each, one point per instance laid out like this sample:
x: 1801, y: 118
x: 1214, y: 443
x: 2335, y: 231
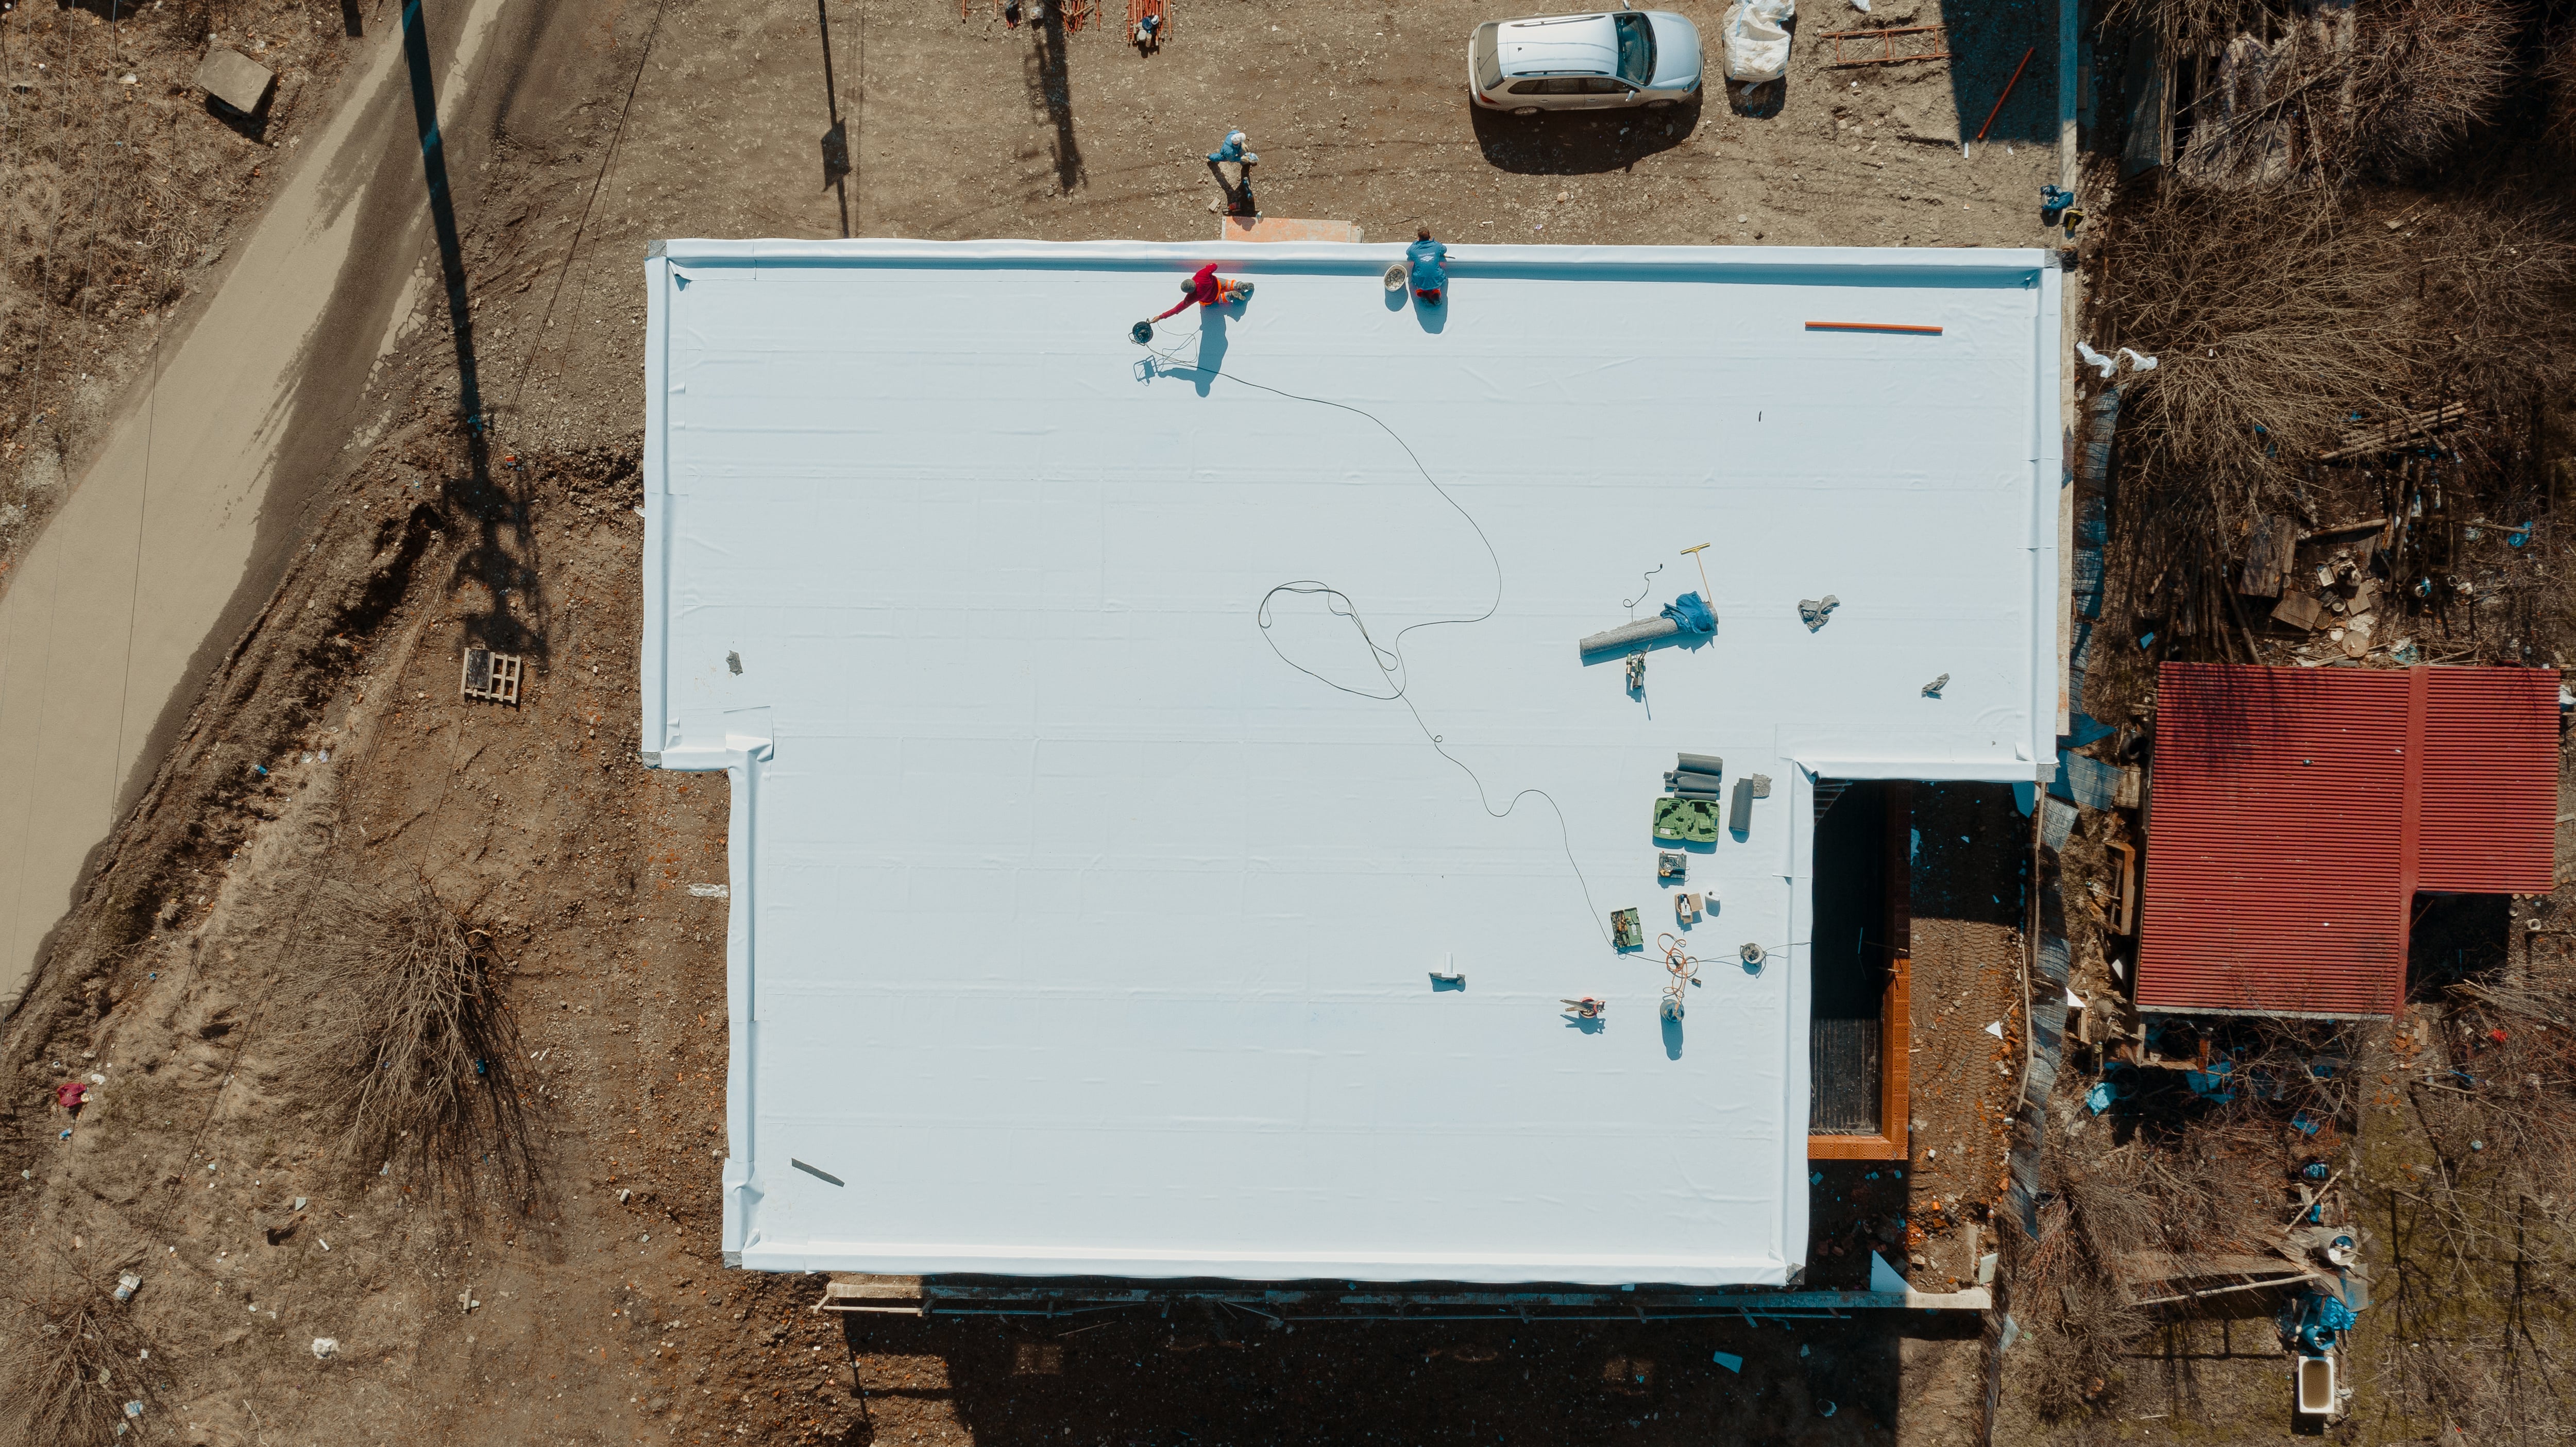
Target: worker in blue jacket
x: 1428, y: 263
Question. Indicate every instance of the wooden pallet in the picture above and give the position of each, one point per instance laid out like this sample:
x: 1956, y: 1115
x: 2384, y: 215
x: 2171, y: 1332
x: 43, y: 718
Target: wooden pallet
x: 493, y: 677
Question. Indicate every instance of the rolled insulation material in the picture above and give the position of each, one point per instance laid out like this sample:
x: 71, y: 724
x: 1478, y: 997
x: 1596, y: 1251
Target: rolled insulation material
x: 1701, y: 763
x: 1643, y: 630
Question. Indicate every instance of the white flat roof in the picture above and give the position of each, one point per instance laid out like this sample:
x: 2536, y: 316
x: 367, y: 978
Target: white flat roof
x: 1075, y: 931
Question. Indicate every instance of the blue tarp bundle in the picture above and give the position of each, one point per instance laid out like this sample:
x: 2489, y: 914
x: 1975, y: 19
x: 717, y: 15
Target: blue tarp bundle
x: 1692, y: 614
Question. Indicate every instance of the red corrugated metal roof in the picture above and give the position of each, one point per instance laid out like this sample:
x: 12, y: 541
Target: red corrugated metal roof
x: 2490, y: 815
x: 2291, y: 825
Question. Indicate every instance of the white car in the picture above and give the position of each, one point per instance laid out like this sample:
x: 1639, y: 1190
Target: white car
x: 1584, y: 62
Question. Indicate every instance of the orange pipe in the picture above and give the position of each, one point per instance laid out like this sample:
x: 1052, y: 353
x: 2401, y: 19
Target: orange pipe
x: 1873, y: 327
x: 2007, y: 95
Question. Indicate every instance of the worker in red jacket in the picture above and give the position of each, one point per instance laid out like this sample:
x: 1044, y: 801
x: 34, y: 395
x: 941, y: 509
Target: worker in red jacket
x: 1208, y: 289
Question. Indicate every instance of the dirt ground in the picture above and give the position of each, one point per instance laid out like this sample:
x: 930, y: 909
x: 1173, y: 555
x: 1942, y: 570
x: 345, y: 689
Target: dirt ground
x: 120, y: 189
x: 331, y: 746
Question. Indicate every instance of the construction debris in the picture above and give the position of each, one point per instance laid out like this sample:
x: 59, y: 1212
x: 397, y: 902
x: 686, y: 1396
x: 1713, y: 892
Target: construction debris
x: 2397, y: 432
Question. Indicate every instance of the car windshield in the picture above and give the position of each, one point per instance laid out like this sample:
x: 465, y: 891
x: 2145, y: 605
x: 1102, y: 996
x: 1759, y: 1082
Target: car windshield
x: 1636, y: 49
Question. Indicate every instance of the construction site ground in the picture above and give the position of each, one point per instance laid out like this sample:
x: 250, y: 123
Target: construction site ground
x: 329, y: 746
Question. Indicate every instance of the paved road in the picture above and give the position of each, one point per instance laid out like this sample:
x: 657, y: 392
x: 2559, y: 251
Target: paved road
x: 176, y: 532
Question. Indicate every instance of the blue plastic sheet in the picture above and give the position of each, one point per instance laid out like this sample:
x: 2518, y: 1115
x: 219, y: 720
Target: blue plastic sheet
x: 1692, y: 614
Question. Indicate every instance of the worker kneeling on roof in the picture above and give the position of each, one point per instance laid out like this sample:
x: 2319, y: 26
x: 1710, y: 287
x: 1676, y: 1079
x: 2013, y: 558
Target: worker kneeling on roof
x: 1209, y: 289
x: 1204, y: 287
x: 1428, y: 263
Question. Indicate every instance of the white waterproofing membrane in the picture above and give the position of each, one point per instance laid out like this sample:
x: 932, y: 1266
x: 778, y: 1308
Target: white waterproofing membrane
x: 1075, y: 930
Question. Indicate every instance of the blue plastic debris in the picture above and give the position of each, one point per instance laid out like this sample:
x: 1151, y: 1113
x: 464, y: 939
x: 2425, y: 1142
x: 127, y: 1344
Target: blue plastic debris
x: 2316, y: 1317
x: 2315, y: 1171
x: 1815, y: 1178
x: 2146, y: 640
x: 2084, y: 729
x: 2518, y: 536
x: 2305, y: 1123
x: 1728, y: 1360
x: 1873, y: 1175
x: 2212, y: 1084
x: 2099, y: 1098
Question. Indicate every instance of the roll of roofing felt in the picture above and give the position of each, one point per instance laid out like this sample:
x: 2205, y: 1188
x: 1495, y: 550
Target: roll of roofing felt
x: 1643, y: 630
x: 1702, y: 786
x: 1700, y: 763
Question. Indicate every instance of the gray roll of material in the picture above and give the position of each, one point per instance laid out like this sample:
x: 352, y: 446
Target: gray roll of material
x: 1685, y: 792
x: 1642, y: 631
x: 1700, y: 764
x: 1701, y: 786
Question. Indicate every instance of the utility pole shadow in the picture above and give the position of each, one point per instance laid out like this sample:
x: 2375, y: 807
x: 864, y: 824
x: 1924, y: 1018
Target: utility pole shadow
x: 1050, y: 87
x: 501, y: 557
x: 836, y: 141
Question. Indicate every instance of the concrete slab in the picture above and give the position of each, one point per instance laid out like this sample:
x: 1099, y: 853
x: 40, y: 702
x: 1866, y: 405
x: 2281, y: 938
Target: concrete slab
x: 235, y: 79
x: 1285, y: 228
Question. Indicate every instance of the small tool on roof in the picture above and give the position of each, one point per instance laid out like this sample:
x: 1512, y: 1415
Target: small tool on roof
x: 1814, y: 611
x: 1587, y: 1008
x: 1686, y: 906
x: 1933, y: 689
x: 1637, y: 672
x: 1684, y: 969
x: 1693, y: 553
x: 1625, y: 931
x: 1669, y: 865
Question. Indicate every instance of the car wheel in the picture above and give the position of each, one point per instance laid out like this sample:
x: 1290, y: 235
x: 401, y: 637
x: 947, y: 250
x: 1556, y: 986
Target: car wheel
x: 1526, y: 111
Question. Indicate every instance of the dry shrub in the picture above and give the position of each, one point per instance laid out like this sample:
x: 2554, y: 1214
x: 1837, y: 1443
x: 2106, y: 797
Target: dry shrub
x: 2480, y: 1234
x: 2170, y: 1173
x: 409, y: 1046
x: 2279, y: 321
x: 69, y: 1361
x: 2558, y: 78
x: 2425, y: 74
x: 2289, y: 95
x: 2066, y: 1285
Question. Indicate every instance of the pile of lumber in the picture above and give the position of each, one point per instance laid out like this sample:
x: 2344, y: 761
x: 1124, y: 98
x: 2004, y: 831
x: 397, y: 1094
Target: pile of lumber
x: 2397, y: 432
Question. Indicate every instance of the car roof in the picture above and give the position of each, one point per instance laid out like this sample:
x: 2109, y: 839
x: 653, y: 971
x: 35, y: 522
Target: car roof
x: 1559, y: 45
